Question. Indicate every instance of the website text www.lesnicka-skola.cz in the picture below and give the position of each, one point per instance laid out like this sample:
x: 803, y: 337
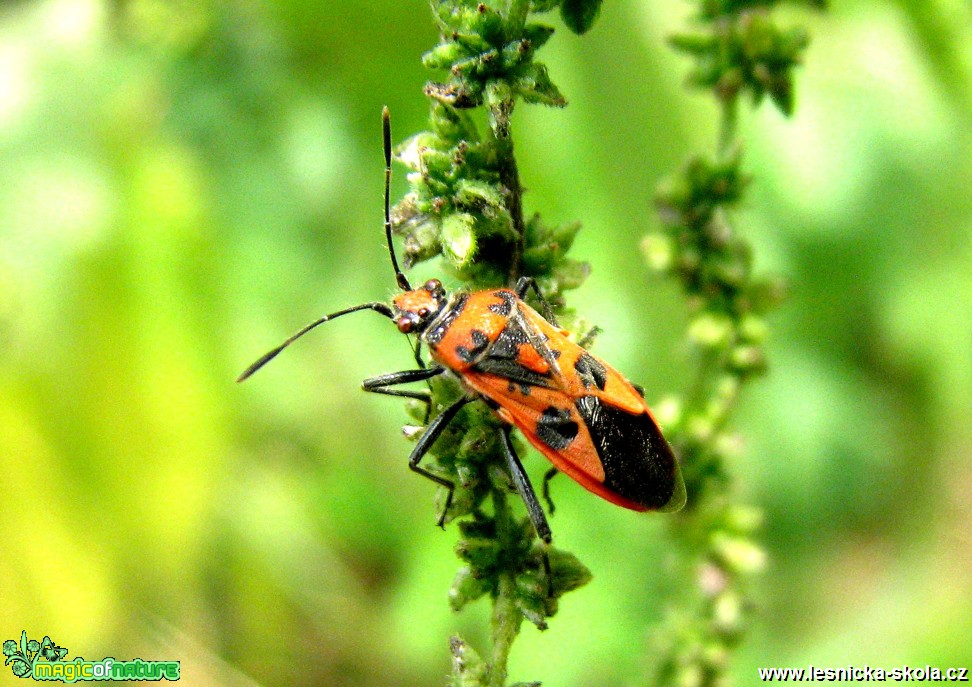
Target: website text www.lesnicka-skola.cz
x: 811, y: 673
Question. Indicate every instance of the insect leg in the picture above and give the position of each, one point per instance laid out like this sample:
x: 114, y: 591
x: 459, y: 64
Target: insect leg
x: 421, y: 363
x: 418, y: 354
x: 426, y: 441
x: 525, y: 283
x: 523, y: 486
x: 588, y: 338
x: 551, y: 473
x: 381, y: 383
x: 529, y: 497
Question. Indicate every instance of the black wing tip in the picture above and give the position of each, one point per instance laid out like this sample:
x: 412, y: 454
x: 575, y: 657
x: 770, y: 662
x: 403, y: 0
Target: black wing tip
x: 679, y: 497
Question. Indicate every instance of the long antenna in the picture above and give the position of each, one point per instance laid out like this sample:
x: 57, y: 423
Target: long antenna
x: 379, y: 308
x: 386, y: 131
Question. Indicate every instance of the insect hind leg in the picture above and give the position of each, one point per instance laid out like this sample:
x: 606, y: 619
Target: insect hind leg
x: 549, y: 475
x: 529, y: 496
x: 523, y: 486
x: 523, y: 284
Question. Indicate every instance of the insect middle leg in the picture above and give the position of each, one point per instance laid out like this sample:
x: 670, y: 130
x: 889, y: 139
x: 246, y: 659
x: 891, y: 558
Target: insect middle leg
x: 382, y: 385
x: 425, y: 442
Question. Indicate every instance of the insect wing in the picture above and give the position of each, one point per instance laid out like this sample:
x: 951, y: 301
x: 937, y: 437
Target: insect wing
x: 583, y: 415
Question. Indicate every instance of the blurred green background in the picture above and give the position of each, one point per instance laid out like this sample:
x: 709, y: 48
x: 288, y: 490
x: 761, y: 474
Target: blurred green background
x: 182, y: 184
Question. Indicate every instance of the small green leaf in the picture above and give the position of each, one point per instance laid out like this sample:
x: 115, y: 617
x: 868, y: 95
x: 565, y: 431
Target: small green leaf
x: 568, y: 572
x: 499, y: 105
x: 579, y: 15
x: 534, y: 86
x: 458, y: 238
x: 444, y: 55
x: 466, y: 587
x: 476, y: 193
x: 711, y: 329
x: 532, y: 610
x: 692, y: 43
x: 468, y: 669
x: 537, y: 34
x: 659, y: 251
x: 479, y: 553
x: 570, y: 274
x: 563, y: 236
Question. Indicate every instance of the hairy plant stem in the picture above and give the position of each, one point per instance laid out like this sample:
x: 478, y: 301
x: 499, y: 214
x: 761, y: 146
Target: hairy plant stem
x: 499, y: 126
x: 506, y: 618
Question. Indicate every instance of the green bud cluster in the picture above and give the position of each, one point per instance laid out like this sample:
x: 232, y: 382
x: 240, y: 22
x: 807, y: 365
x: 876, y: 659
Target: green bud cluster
x: 469, y: 669
x: 741, y: 48
x: 456, y: 207
x: 698, y: 246
x: 488, y: 552
x: 483, y: 48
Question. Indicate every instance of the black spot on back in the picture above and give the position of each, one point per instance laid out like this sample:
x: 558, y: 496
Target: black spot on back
x: 555, y: 428
x: 434, y: 335
x: 479, y: 343
x: 504, y: 308
x: 638, y: 463
x: 509, y: 340
x: 591, y: 371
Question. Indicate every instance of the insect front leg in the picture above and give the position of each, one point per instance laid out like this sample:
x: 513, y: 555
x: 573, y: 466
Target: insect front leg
x: 417, y: 350
x: 425, y: 442
x: 382, y: 383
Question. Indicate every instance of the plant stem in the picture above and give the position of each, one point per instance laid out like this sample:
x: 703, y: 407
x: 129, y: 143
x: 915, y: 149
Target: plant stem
x: 506, y: 618
x: 728, y: 124
x: 509, y: 177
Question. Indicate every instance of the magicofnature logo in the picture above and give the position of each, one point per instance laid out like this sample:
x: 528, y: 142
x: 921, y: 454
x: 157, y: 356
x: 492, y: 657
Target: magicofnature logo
x: 44, y: 660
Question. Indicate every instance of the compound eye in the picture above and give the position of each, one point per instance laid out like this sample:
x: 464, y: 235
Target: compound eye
x: 423, y: 312
x: 433, y: 286
x: 404, y: 324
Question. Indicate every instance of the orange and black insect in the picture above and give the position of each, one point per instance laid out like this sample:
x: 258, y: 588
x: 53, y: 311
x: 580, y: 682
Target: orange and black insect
x: 579, y: 412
